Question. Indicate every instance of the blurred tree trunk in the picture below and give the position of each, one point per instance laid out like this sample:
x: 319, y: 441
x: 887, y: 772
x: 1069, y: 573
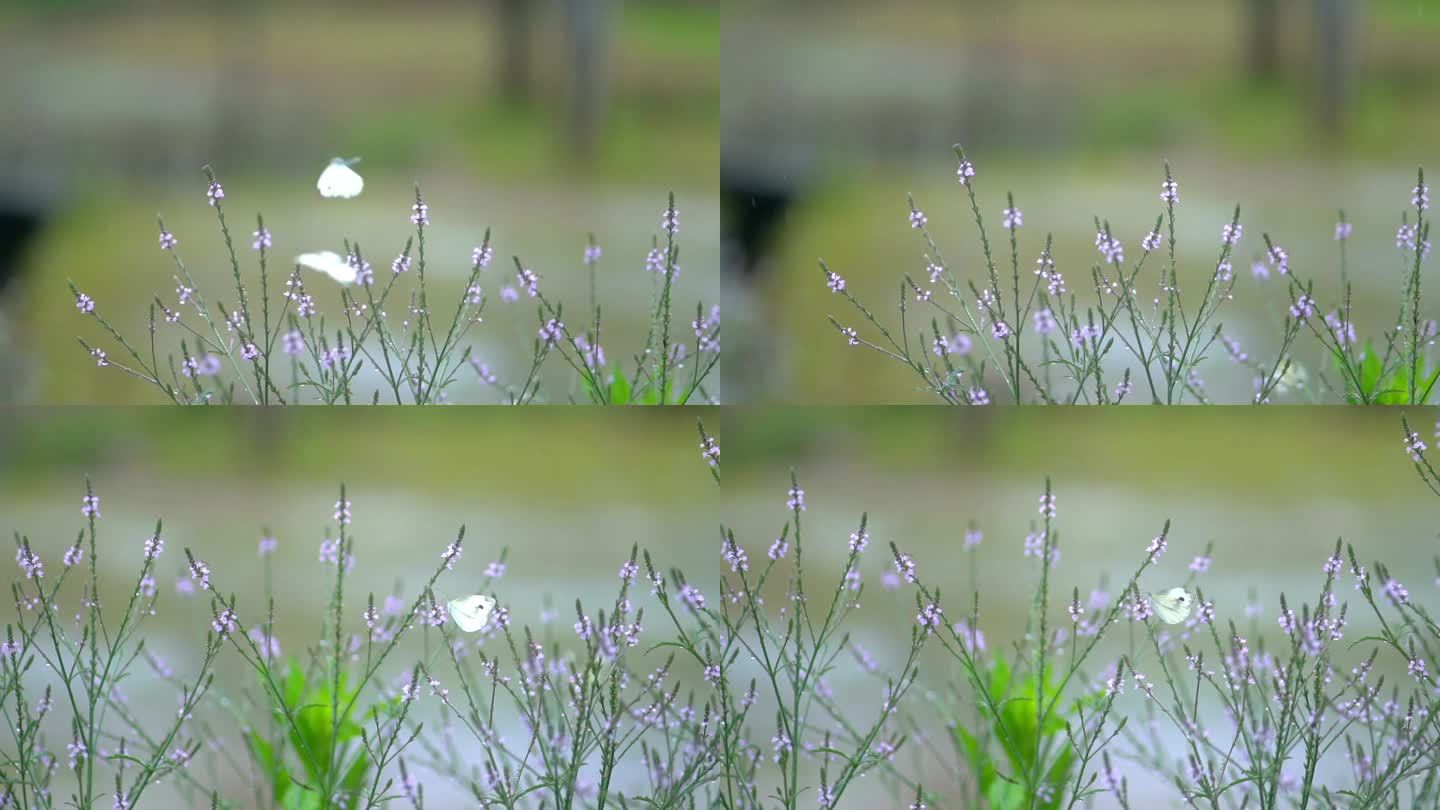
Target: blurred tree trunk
x: 514, y: 50
x: 1332, y: 64
x: 588, y: 25
x: 1264, y: 33
x: 240, y: 36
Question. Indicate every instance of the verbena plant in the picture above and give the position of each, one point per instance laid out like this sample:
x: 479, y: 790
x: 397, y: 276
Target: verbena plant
x: 349, y: 723
x: 1028, y: 337
x: 732, y: 704
x: 273, y: 346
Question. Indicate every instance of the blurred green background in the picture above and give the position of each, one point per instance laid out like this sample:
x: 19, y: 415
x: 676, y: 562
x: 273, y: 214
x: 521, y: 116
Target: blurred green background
x: 833, y: 111
x: 551, y: 484
x: 544, y: 119
x: 1272, y: 488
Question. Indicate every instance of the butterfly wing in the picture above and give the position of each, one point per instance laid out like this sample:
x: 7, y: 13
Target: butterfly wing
x: 1172, y: 606
x: 329, y: 263
x: 471, y: 613
x: 339, y: 181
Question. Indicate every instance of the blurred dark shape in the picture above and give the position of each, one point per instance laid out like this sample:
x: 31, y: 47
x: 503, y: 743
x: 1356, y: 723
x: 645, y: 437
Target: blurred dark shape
x: 753, y: 205
x: 514, y: 51
x: 587, y: 25
x: 1264, y: 29
x: 19, y: 226
x: 1332, y: 65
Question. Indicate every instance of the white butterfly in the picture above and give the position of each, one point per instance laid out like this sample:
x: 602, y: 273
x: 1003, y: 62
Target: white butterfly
x: 339, y: 180
x: 330, y: 263
x: 471, y: 612
x: 1172, y: 606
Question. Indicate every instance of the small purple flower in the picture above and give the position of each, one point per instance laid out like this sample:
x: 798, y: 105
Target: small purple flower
x: 168, y: 242
x: 1035, y: 544
x: 419, y: 213
x: 1150, y: 242
x: 691, y: 597
x: 99, y: 355
x: 834, y: 281
x: 495, y: 569
x: 918, y: 218
x: 293, y: 342
x: 262, y: 240
x: 250, y: 351
x: 1156, y: 548
x: 859, y: 541
x: 1303, y: 308
x: 795, y: 499
x: 215, y: 193
x: 978, y: 396
x: 734, y: 556
x: 1045, y: 321
x: 154, y: 547
x: 1012, y: 219
x: 84, y: 303
x: 670, y: 221
x: 1000, y: 330
x: 973, y: 537
x: 1231, y: 233
x: 1075, y: 610
x: 268, y: 545
x: 201, y: 572
x: 627, y: 571
x: 330, y: 551
x: 710, y: 451
x: 529, y: 280
x: 1343, y: 330
x: 1047, y: 505
x: 450, y: 555
x: 778, y: 549
x: 342, y: 512
x: 1279, y: 258
x: 1396, y: 592
x: 971, y: 637
x: 930, y: 617
x: 712, y: 673
x: 73, y: 555
x: 964, y: 172
x: 1417, y: 670
x: 851, y: 336
x: 1200, y: 564
x: 551, y: 332
x: 224, y: 623
x: 482, y: 370
x: 29, y: 563
x: 1169, y: 191
x: 592, y: 254
x: 1110, y: 247
x: 1420, y: 197
x: 905, y: 567
x: 1342, y: 231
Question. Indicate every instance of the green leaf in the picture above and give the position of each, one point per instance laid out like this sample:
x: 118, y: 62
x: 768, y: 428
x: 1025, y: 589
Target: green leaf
x: 619, y: 390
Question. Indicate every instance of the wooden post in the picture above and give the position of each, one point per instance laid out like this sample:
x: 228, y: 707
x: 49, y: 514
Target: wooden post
x: 1332, y: 65
x: 588, y: 25
x: 514, y: 51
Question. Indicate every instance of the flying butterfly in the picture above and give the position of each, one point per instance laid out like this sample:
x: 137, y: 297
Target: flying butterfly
x: 339, y: 180
x: 1172, y: 606
x: 471, y: 613
x: 331, y: 264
